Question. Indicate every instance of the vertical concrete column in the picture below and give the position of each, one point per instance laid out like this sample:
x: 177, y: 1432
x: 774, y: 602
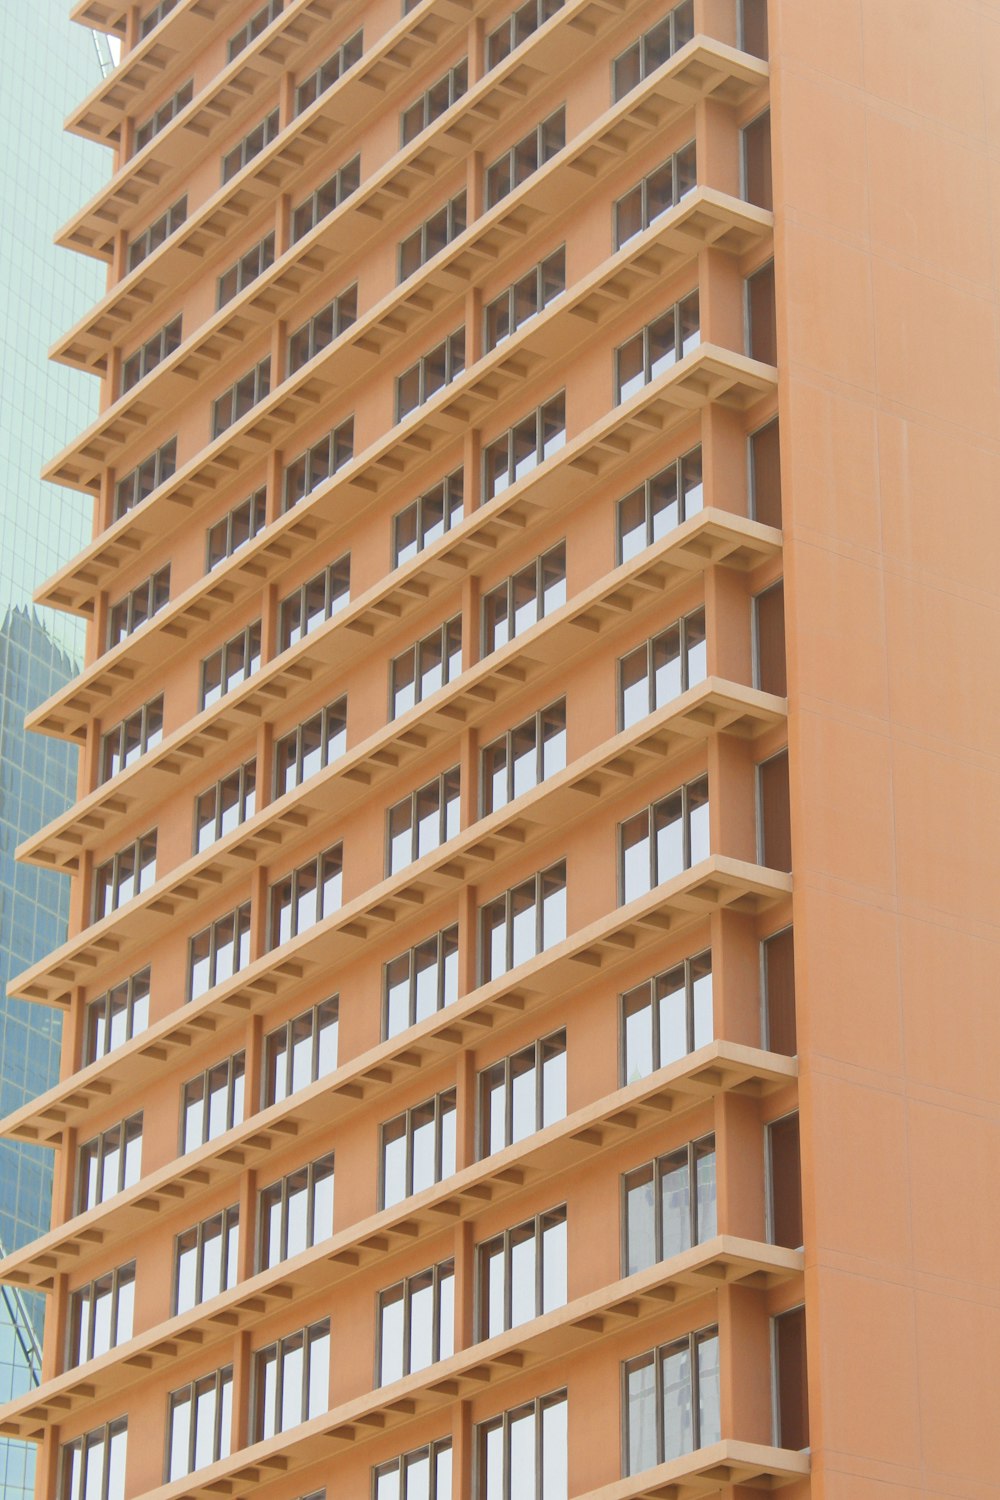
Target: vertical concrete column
x: 465, y: 1281
x: 74, y: 1028
x: 718, y: 143
x: 241, y: 1391
x: 79, y: 894
x: 462, y: 1444
x: 470, y: 622
x: 469, y: 768
x: 264, y: 783
x: 473, y: 337
x: 468, y: 940
x: 465, y: 1111
x: 727, y: 625
x: 253, y: 1066
x: 472, y: 451
x: 258, y: 912
x: 739, y: 1167
x: 54, y: 1336
x: 744, y: 1358
x: 282, y: 224
x: 716, y: 18
x: 735, y: 978
x: 720, y: 296
x: 279, y: 353
x: 64, y: 1179
x: 118, y: 267
x: 724, y: 459
x: 268, y: 623
x: 475, y: 186
x: 286, y: 100
x: 275, y: 474
x: 246, y: 1260
x: 47, y: 1466
x: 477, y: 51
x: 732, y: 812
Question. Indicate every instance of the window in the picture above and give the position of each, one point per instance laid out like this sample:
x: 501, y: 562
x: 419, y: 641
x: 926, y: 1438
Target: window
x: 92, y: 1467
x: 300, y: 1051
x: 434, y: 101
x: 144, y: 479
x: 524, y: 921
x: 423, y: 821
x: 319, y: 599
x: 420, y: 982
x: 153, y: 17
x: 291, y: 1380
x: 160, y: 118
x: 421, y: 1474
x: 241, y: 397
x: 669, y: 836
x: 258, y: 22
x: 523, y: 1453
x: 522, y: 1093
x: 522, y: 1273
x: 206, y: 1259
x: 433, y: 235
x: 416, y: 1323
x: 791, y: 1391
x: 109, y: 1163
x: 322, y: 328
x: 658, y: 346
x: 252, y: 144
x: 296, y: 1212
x: 418, y: 1148
x: 774, y: 830
x: 307, y: 895
x: 225, y: 805
x: 517, y: 27
x: 753, y: 27
x: 326, y: 75
x: 756, y: 143
x: 762, y: 333
x: 784, y: 1182
x: 669, y: 1205
x: 137, y: 607
x: 115, y: 1017
x: 425, y: 666
x: 656, y: 194
x: 124, y: 875
x: 661, y: 668
x: 212, y: 1103
x: 253, y: 263
x: 333, y: 192
x: 524, y: 299
x: 765, y: 475
x: 153, y: 352
x: 649, y: 51
x: 523, y: 599
x: 100, y: 1315
x: 667, y: 1017
x: 126, y: 742
x: 525, y: 157
x: 200, y: 1421
x: 524, y: 446
x: 236, y: 528
x: 233, y: 663
x: 219, y: 951
x: 777, y: 962
x: 153, y: 237
x: 660, y: 504
x: 523, y: 757
x: 317, y: 463
x: 671, y: 1400
x: 311, y: 745
x: 433, y: 513
x: 431, y: 373
x: 768, y: 610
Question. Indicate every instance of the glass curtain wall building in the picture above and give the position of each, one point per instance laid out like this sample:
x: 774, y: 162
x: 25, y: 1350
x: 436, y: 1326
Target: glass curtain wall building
x: 44, y: 173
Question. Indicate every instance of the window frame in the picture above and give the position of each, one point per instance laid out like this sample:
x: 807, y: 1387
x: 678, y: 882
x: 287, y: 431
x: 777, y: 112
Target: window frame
x: 152, y: 352
x: 111, y: 1487
x: 440, y: 1273
x: 249, y: 147
x: 243, y: 272
x: 233, y: 1089
x: 689, y: 1150
x: 117, y: 1137
x: 109, y: 874
x: 324, y: 1016
x: 228, y: 1220
x: 554, y: 409
x: 245, y: 779
x: 340, y: 60
x: 443, y: 1104
x: 536, y: 138
x: 691, y: 978
x: 134, y: 995
x: 454, y: 214
x: 155, y: 234
x: 457, y: 87
x: 677, y: 164
x: 449, y: 642
x: 535, y: 1050
x: 292, y: 878
x: 222, y: 1382
x: 319, y: 1170
x: 161, y: 117
x: 692, y: 1341
x: 240, y: 918
x: 150, y: 735
x: 279, y: 1349
x: 336, y: 573
x: 448, y: 787
x: 549, y: 872
x: 684, y: 625
x: 538, y: 274
x: 504, y: 1421
x: 338, y: 439
x: 536, y: 723
x: 225, y: 408
x: 402, y: 1464
x: 81, y: 1318
x: 451, y: 351
x: 256, y: 506
x: 686, y: 790
x: 329, y: 715
x: 343, y: 311
x: 643, y: 43
x: 440, y: 940
x: 543, y: 11
x: 550, y: 558
x: 253, y: 28
x: 156, y: 589
x: 691, y: 459
x: 158, y: 466
x: 682, y: 345
x: 250, y: 640
x: 341, y: 184
x: 452, y: 493
x: 556, y: 1215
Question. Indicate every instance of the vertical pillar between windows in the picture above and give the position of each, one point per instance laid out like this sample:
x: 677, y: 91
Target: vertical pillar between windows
x: 131, y: 38
x: 473, y: 334
x: 462, y: 1442
x: 268, y: 624
x: 739, y: 1172
x: 470, y: 622
x: 472, y: 464
x: 253, y: 1066
x: 732, y: 813
x: 286, y: 100
x: 79, y: 894
x: 111, y: 384
x: 275, y: 476
x: 735, y: 978
x: 258, y: 913
x: 477, y: 51
x: 265, y: 766
x: 744, y: 1361
x: 64, y: 1179
x: 465, y: 1111
x: 474, y: 186
x: 727, y: 626
x: 118, y: 269
x: 282, y: 225
x: 718, y: 147
x: 247, y: 1257
x: 73, y: 1029
x: 241, y: 1391
x: 465, y: 1285
x: 279, y: 352
x: 468, y: 940
x: 47, y: 1465
x: 716, y: 18
x: 104, y: 510
x: 468, y: 760
x: 720, y: 299
x: 54, y: 1336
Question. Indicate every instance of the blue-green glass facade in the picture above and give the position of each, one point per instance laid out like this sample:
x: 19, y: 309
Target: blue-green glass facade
x: 49, y: 65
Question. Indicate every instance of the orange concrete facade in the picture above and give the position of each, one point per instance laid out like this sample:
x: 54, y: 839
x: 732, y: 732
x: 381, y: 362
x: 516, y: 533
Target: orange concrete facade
x: 486, y: 741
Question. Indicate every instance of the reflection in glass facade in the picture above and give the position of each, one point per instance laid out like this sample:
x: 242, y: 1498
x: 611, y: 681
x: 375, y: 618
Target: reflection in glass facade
x: 45, y: 176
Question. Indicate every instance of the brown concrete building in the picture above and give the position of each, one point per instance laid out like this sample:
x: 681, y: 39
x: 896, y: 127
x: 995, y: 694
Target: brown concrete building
x: 511, y: 794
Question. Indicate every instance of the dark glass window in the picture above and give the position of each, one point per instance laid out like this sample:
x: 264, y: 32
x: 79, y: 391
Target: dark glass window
x: 663, y: 502
x: 756, y: 141
x: 523, y: 599
x: 425, y: 666
x: 657, y: 347
x: 317, y: 463
x: 422, y: 821
x: 517, y: 27
x: 314, y: 602
x: 146, y: 358
x: 433, y: 102
x: 328, y: 72
x: 671, y: 1400
x: 241, y: 397
x: 145, y: 601
x: 160, y: 118
x: 524, y: 446
x: 330, y: 195
x: 523, y: 757
x: 144, y: 479
x: 774, y: 829
x: 784, y: 1182
x: 236, y: 528
x: 322, y: 328
x: 431, y: 373
x: 253, y: 263
x: 656, y: 194
x: 115, y: 1017
x: 669, y: 1205
x: 649, y: 51
x: 778, y: 980
x: 311, y: 745
x: 252, y: 144
x: 154, y: 235
x: 258, y: 22
x: 790, y: 1385
x: 666, y: 1017
x: 525, y: 299
x: 525, y: 157
x: 433, y: 235
x: 765, y: 475
x: 769, y: 640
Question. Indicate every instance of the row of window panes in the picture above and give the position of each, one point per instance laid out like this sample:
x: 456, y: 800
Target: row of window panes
x: 241, y: 397
x: 128, y: 872
x: 146, y: 358
x: 670, y: 1404
x: 252, y: 144
x: 160, y: 118
x: 668, y: 1205
x: 138, y: 606
x: 328, y: 72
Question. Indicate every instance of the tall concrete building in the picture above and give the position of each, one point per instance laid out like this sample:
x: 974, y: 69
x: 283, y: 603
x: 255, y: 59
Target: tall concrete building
x: 536, y: 759
x: 42, y: 288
